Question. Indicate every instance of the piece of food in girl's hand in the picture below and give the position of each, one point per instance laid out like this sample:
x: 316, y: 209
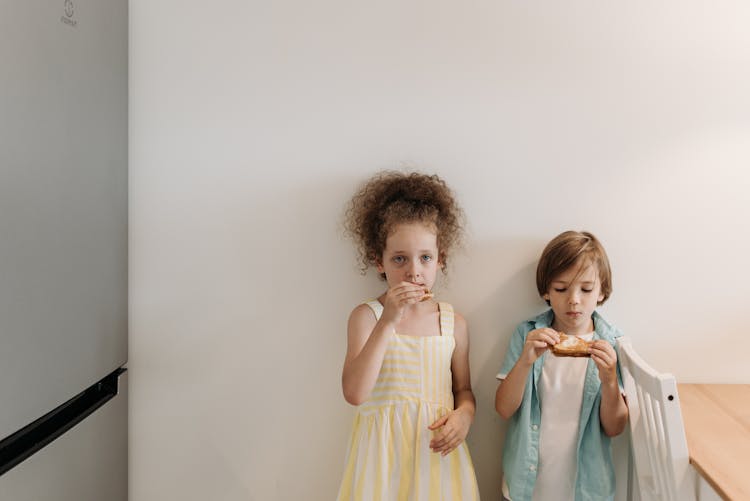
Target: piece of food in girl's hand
x: 572, y: 346
x: 427, y: 294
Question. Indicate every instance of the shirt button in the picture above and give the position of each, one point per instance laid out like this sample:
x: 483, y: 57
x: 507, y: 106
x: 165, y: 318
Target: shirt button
x: 534, y: 427
x: 532, y: 467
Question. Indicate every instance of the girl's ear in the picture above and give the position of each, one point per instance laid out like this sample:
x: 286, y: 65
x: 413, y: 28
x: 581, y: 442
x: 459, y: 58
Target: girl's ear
x: 379, y: 265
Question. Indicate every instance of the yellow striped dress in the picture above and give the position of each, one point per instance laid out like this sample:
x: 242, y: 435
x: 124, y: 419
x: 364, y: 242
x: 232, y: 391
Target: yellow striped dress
x: 389, y: 455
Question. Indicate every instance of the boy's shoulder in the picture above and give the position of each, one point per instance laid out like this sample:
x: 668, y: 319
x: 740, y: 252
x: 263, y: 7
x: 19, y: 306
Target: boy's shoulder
x: 539, y: 321
x: 604, y: 328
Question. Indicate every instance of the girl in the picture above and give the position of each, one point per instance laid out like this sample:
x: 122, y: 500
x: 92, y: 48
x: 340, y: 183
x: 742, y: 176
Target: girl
x: 563, y: 411
x: 407, y: 360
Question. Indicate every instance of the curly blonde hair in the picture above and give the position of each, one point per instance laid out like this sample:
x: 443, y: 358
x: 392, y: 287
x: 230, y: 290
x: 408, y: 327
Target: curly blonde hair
x: 390, y: 198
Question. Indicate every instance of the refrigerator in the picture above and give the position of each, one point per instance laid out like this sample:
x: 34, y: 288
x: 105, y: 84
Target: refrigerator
x: 63, y: 250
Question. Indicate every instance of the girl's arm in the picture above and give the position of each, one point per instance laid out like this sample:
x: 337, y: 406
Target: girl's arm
x: 367, y: 340
x: 510, y: 390
x: 454, y: 426
x: 613, y: 412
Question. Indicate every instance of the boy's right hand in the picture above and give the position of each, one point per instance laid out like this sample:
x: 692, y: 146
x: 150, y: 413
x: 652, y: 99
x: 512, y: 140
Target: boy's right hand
x: 537, y: 342
x: 398, y: 297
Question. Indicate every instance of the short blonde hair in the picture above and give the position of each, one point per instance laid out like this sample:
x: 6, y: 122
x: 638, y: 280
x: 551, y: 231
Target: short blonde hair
x: 568, y: 249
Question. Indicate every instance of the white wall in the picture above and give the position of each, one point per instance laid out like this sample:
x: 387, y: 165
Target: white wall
x: 252, y: 123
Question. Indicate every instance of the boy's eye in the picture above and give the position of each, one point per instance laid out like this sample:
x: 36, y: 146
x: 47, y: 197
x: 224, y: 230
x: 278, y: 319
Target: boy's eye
x: 587, y: 290
x: 560, y: 290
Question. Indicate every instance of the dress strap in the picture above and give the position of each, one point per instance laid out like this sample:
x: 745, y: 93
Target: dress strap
x: 376, y: 307
x: 446, y: 319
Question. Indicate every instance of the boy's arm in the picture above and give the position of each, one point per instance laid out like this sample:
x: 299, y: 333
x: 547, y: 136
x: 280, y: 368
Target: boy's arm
x: 613, y: 411
x: 522, y: 353
x: 510, y: 390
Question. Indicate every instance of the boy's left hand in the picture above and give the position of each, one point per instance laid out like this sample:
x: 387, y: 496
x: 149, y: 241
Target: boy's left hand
x: 452, y: 430
x: 605, y: 358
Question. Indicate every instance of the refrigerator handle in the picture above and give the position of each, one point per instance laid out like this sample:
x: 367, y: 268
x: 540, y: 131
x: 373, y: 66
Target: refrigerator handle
x: 31, y: 438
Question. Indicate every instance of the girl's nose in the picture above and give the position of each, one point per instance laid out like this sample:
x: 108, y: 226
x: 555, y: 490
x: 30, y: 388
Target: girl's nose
x: 412, y: 273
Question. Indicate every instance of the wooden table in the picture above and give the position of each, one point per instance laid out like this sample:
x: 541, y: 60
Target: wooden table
x: 717, y: 425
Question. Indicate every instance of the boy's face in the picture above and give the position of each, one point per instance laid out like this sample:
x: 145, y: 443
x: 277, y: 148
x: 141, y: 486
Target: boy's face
x: 410, y: 255
x: 573, y: 295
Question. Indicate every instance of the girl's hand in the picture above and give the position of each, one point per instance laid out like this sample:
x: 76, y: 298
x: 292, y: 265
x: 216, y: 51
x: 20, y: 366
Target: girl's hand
x: 605, y: 358
x: 398, y: 297
x: 452, y: 430
x: 537, y: 342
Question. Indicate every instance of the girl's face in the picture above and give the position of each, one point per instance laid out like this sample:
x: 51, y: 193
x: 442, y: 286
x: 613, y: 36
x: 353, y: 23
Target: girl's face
x: 574, y: 295
x: 410, y: 255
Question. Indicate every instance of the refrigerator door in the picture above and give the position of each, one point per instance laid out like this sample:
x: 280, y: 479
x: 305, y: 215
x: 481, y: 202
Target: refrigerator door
x: 63, y: 202
x: 88, y: 463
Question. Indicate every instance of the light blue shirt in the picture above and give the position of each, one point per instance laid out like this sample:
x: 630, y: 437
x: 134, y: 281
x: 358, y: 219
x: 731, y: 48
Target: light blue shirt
x: 595, y: 478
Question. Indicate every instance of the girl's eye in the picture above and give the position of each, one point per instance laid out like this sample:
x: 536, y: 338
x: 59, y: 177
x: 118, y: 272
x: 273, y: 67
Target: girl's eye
x: 398, y: 259
x: 587, y: 290
x: 426, y: 257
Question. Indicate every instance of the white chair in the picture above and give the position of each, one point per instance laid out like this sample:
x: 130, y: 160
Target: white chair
x: 657, y: 435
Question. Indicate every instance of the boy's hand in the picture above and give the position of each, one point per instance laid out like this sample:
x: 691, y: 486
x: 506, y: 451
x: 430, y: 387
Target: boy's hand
x: 537, y: 342
x: 605, y: 358
x: 452, y: 430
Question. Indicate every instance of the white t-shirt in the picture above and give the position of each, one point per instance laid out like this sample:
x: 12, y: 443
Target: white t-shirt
x: 560, y: 397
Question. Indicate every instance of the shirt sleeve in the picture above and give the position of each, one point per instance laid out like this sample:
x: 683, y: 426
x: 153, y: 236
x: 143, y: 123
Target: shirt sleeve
x: 515, y: 348
x: 619, y: 374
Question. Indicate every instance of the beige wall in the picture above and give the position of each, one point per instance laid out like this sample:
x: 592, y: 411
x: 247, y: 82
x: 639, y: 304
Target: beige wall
x: 252, y: 123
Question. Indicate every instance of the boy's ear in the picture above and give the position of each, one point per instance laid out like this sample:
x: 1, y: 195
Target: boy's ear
x: 545, y: 297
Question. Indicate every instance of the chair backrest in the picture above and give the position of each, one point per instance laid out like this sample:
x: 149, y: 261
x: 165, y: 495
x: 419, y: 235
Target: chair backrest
x: 657, y: 434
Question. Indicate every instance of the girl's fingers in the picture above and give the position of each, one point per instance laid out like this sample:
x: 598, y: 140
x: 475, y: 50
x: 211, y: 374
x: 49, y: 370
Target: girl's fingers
x: 410, y: 296
x: 450, y: 447
x: 438, y: 423
x: 442, y: 441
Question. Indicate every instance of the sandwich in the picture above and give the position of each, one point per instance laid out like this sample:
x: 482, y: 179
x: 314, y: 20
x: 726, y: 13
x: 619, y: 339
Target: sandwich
x: 427, y: 294
x: 572, y: 346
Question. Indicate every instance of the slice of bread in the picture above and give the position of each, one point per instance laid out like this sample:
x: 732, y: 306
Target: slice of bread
x: 572, y: 346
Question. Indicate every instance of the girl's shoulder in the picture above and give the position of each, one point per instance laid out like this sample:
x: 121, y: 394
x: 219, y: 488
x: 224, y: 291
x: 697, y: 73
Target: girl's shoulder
x: 366, y: 312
